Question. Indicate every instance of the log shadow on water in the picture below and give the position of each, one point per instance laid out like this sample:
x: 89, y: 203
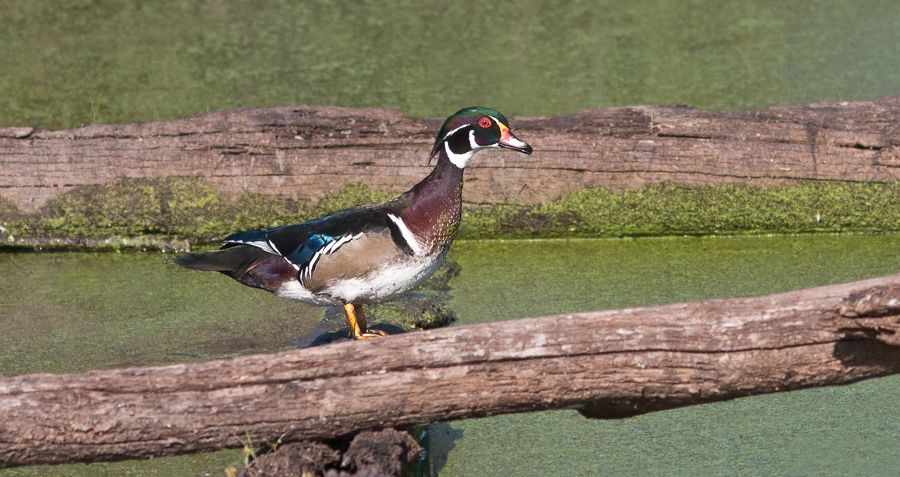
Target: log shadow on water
x: 438, y: 440
x: 856, y: 352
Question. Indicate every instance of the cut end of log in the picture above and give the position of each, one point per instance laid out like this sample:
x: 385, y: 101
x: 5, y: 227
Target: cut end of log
x: 872, y: 314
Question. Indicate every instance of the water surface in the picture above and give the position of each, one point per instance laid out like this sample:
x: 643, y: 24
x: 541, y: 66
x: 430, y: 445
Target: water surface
x: 77, y: 311
x: 848, y: 430
x: 71, y: 312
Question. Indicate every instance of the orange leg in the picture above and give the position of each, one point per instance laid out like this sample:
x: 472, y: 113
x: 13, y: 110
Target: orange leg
x: 356, y: 320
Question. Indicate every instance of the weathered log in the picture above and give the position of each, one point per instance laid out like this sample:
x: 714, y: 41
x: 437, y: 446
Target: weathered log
x: 304, y: 153
x: 608, y: 364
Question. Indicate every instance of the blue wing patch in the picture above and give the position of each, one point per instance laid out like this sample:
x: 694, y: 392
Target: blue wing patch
x: 306, y: 253
x: 306, y: 257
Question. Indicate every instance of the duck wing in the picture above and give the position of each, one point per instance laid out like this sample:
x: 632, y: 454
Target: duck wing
x: 304, y: 245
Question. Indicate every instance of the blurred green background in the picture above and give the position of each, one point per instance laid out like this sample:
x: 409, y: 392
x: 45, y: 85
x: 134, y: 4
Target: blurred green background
x: 65, y: 63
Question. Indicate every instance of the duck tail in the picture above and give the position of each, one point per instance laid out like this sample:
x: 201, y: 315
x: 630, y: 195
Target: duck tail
x: 231, y: 259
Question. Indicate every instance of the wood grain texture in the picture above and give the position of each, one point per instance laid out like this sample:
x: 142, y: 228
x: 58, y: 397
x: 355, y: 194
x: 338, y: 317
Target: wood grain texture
x: 608, y: 364
x: 304, y: 153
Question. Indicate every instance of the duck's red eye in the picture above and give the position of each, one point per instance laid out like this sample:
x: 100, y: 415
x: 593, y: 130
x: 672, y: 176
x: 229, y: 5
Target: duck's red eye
x: 484, y: 122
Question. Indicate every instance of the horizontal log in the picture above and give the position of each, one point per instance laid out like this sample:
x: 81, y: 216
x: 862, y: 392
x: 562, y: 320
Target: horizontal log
x: 305, y: 153
x: 608, y: 364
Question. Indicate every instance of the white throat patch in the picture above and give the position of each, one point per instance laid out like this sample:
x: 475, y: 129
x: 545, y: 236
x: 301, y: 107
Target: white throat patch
x: 460, y: 160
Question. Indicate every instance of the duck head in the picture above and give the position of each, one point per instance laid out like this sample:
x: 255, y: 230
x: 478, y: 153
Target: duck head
x: 474, y: 129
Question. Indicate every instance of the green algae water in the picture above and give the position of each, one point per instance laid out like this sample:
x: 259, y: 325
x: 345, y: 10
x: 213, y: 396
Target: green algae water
x: 65, y: 63
x: 70, y: 312
x: 849, y: 430
x: 66, y: 312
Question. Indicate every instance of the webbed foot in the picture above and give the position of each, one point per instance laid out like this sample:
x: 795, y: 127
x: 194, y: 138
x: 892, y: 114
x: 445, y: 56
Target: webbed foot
x: 356, y: 320
x: 369, y: 334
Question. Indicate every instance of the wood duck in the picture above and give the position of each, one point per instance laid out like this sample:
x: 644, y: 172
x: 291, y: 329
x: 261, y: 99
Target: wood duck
x: 369, y: 253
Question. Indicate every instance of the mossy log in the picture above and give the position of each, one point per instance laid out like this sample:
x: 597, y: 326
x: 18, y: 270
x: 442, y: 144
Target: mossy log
x: 305, y: 153
x: 608, y: 364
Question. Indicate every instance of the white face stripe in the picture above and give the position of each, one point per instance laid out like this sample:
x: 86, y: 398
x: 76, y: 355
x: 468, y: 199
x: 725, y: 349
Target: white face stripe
x: 407, y: 234
x: 453, y: 131
x: 474, y: 145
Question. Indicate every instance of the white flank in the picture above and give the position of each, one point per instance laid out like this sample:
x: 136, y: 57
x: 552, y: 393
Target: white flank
x: 407, y: 234
x: 293, y: 290
x: 391, y: 279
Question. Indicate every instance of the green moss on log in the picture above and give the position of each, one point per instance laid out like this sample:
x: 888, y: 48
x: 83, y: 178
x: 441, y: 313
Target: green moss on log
x: 350, y: 195
x: 178, y: 207
x: 8, y: 213
x: 669, y: 209
x: 188, y: 209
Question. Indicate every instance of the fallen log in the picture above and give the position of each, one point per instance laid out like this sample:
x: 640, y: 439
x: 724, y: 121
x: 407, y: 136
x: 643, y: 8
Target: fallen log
x: 304, y: 153
x: 608, y: 364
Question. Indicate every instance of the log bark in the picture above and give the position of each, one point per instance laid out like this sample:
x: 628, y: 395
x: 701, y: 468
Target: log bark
x: 608, y: 364
x: 304, y: 153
